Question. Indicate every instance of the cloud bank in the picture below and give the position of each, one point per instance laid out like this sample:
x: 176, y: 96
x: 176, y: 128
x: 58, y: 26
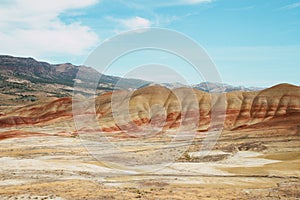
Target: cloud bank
x: 33, y: 28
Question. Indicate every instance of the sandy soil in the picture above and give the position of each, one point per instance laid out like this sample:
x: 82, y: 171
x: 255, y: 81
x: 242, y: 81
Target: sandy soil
x: 56, y: 167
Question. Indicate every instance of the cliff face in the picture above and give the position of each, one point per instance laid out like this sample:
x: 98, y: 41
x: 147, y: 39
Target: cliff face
x: 159, y: 107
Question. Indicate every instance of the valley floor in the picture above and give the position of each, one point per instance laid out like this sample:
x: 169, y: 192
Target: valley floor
x: 243, y: 165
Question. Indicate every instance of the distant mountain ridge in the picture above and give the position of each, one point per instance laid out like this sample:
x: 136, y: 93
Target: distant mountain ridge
x: 35, y: 71
x: 219, y: 87
x: 27, y: 75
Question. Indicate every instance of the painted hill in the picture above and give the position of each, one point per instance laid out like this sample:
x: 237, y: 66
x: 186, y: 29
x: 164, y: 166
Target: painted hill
x: 158, y: 106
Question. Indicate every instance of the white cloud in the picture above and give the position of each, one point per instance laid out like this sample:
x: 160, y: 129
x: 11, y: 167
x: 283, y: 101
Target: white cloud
x: 291, y: 6
x: 134, y: 23
x: 194, y: 1
x: 148, y: 4
x: 33, y: 28
x: 148, y: 7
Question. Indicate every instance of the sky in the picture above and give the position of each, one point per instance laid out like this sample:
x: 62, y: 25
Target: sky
x: 251, y: 42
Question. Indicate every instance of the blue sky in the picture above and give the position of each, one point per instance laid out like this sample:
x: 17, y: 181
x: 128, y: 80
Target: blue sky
x: 252, y: 42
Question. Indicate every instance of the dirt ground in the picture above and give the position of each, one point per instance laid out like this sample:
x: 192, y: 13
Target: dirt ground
x: 243, y: 165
